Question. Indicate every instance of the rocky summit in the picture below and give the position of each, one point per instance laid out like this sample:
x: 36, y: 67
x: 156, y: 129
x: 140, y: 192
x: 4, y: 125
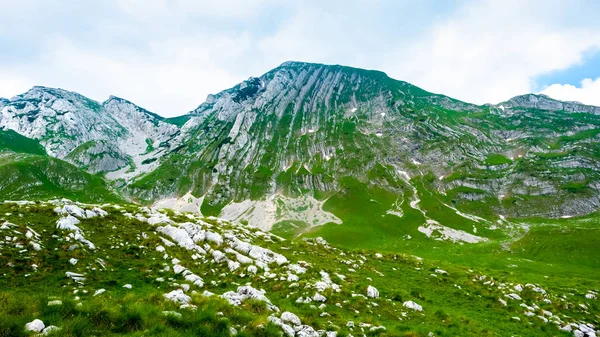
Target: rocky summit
x: 313, y: 200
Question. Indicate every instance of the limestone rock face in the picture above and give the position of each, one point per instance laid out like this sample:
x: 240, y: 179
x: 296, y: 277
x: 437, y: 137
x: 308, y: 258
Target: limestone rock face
x: 274, y: 147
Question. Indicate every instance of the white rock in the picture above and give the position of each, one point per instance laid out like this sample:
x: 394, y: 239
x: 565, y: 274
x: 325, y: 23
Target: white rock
x: 75, y: 277
x: 289, y: 317
x: 55, y: 302
x: 412, y: 305
x: 306, y: 331
x: 68, y: 223
x: 49, y: 329
x: 319, y: 298
x: 178, y: 296
x: 74, y: 210
x: 73, y: 261
x: 99, y: 291
x: 372, y: 292
x: 36, y: 326
x: 214, y: 237
x: 247, y: 292
x: 128, y: 286
x: 233, y: 265
x: 288, y: 330
x: 514, y: 296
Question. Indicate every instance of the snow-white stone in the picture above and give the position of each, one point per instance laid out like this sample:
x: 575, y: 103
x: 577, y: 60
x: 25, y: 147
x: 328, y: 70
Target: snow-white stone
x: 75, y: 276
x: 68, y: 223
x: 412, y: 305
x: 50, y: 329
x: 514, y: 296
x: 372, y: 292
x: 247, y: 292
x: 291, y: 318
x: 178, y: 296
x: 319, y: 298
x: 287, y: 330
x: 35, y: 326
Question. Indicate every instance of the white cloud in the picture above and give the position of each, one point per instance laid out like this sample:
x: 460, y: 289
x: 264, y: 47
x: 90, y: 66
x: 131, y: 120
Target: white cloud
x: 167, y: 55
x: 587, y: 93
x: 222, y: 8
x: 490, y: 51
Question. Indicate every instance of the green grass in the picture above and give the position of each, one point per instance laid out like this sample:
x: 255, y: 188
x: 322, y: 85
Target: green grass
x: 12, y: 141
x: 41, y: 177
x: 497, y: 159
x: 454, y: 304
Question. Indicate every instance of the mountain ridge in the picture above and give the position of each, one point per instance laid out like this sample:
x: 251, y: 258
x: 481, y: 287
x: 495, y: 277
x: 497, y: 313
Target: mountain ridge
x: 293, y: 63
x: 304, y: 128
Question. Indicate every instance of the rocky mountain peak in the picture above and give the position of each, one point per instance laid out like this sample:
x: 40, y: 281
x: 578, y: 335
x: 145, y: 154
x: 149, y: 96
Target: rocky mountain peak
x: 544, y: 102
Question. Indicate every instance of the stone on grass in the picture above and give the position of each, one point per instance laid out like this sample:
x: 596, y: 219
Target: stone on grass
x: 36, y: 326
x: 372, y: 292
x: 289, y: 317
x: 412, y: 305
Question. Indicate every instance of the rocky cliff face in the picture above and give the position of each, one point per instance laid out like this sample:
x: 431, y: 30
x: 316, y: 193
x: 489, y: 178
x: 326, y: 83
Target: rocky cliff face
x: 311, y: 129
x: 65, y: 122
x: 303, y: 128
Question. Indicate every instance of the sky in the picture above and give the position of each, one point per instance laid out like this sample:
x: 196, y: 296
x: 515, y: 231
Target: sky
x: 167, y: 56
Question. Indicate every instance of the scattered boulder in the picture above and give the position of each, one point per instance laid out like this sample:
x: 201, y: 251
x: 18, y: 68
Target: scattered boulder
x: 49, y: 329
x: 289, y: 317
x: 412, y: 305
x: 35, y: 326
x: 178, y: 296
x: 372, y: 292
x: 319, y: 298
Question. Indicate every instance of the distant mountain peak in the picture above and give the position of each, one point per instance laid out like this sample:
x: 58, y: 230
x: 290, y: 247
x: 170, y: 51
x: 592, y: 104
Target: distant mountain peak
x: 545, y: 102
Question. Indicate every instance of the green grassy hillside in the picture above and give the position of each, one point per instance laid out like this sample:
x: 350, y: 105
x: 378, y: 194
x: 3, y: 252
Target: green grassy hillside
x: 14, y: 142
x: 134, y: 247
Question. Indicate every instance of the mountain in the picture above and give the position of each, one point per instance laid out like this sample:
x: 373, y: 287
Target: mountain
x: 65, y: 121
x: 314, y: 200
x: 286, y: 145
x: 29, y: 173
x: 309, y: 129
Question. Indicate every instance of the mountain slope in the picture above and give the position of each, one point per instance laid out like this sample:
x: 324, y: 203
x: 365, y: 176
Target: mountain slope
x: 309, y: 129
x: 62, y: 121
x: 303, y: 141
x: 28, y: 173
x: 125, y: 270
x: 14, y: 142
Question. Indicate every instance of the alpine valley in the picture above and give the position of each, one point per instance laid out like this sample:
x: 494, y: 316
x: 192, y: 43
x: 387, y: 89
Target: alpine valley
x: 314, y: 200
